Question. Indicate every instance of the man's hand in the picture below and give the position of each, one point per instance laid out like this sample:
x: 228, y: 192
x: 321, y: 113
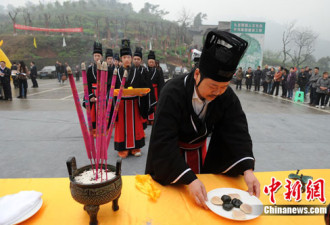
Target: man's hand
x: 252, y: 183
x: 198, y: 193
x: 93, y: 99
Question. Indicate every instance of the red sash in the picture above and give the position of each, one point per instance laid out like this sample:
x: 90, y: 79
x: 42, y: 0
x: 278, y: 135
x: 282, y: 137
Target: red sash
x: 194, y: 154
x: 151, y: 117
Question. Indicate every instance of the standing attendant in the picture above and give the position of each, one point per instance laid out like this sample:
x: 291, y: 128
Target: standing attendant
x: 33, y: 75
x: 193, y: 106
x: 129, y: 133
x: 157, y: 80
x: 92, y: 80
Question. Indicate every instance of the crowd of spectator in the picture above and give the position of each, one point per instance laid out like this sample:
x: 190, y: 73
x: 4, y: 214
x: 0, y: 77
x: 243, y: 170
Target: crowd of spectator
x: 307, y: 81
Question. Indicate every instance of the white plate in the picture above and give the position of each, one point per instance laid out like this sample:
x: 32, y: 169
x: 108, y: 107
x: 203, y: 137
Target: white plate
x: 30, y: 213
x: 257, y: 206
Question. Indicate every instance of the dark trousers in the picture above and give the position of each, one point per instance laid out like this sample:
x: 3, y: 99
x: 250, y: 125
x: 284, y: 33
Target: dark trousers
x: 284, y: 90
x: 23, y: 85
x: 248, y: 86
x: 257, y: 85
x: 238, y: 84
x: 265, y: 86
x: 277, y: 86
x: 320, y: 96
x: 326, y: 100
x: 7, y: 89
x: 313, y: 96
x: 34, y: 81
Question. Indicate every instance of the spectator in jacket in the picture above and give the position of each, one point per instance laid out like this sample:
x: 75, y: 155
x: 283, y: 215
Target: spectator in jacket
x: 312, y: 81
x: 248, y: 78
x: 284, y: 78
x: 264, y: 83
x: 269, y: 80
x: 302, y: 80
x: 239, y: 78
x: 277, y: 81
x: 291, y: 82
x: 257, y: 78
x: 33, y: 75
x: 5, y: 74
x: 322, y: 85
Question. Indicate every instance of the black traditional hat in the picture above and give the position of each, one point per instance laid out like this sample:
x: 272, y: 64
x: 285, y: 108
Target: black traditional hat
x: 138, y: 52
x: 116, y: 56
x: 97, y: 48
x: 109, y: 53
x: 152, y: 55
x: 221, y: 54
x: 125, y: 48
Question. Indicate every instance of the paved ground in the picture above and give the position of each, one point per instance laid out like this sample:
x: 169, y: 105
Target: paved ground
x: 39, y: 133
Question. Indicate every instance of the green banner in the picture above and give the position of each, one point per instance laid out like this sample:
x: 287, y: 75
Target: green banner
x: 247, y: 27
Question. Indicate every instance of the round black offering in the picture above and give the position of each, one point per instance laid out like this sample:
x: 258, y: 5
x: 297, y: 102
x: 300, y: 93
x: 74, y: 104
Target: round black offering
x: 236, y: 202
x: 226, y: 198
x: 227, y: 206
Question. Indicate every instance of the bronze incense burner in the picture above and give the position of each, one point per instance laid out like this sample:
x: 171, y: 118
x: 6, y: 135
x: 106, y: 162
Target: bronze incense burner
x: 94, y: 195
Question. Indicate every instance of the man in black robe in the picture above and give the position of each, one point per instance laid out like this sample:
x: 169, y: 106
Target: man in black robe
x: 157, y: 80
x: 129, y: 133
x: 193, y: 106
x: 92, y: 80
x: 111, y: 66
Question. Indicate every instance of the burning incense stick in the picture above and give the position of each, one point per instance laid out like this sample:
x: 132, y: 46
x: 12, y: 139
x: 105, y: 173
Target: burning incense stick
x: 79, y: 112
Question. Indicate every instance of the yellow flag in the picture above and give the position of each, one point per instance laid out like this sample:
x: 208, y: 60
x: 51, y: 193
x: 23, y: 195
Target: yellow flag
x: 34, y: 42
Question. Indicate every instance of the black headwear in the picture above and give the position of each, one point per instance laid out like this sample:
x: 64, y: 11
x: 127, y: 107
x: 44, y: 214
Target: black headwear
x: 221, y: 54
x: 116, y: 56
x: 152, y: 55
x: 109, y: 53
x: 97, y: 48
x: 138, y: 52
x: 125, y: 48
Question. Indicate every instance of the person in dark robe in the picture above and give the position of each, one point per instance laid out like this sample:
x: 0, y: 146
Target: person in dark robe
x: 92, y: 80
x: 111, y: 66
x: 157, y: 80
x: 191, y: 107
x: 142, y: 71
x: 129, y: 133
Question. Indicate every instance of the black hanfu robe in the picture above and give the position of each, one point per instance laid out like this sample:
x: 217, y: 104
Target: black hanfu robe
x: 92, y: 88
x: 179, y: 136
x: 129, y: 133
x: 157, y: 80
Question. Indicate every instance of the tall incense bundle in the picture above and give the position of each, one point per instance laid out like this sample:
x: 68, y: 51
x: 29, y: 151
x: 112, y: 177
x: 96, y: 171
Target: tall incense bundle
x: 88, y: 112
x: 80, y: 113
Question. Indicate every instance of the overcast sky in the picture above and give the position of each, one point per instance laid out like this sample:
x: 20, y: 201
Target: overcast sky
x: 314, y: 14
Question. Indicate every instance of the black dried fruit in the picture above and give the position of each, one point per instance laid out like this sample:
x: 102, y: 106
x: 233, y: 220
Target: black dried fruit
x: 236, y: 202
x: 227, y: 206
x: 226, y: 198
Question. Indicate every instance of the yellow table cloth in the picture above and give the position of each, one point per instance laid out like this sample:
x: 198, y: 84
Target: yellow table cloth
x: 173, y: 207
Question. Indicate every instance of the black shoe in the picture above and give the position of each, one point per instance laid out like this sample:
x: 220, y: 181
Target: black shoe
x: 19, y: 96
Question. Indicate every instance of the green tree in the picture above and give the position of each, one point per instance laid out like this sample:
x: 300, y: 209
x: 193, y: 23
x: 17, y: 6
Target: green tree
x: 198, y: 20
